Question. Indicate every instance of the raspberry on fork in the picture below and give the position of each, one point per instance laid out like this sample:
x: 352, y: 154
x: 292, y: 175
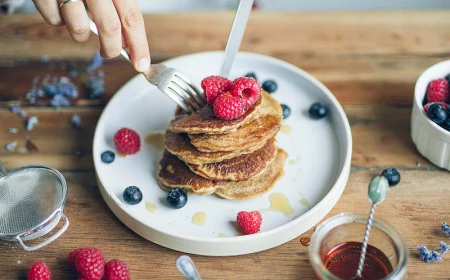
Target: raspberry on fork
x: 228, y: 107
x: 247, y: 88
x: 213, y: 86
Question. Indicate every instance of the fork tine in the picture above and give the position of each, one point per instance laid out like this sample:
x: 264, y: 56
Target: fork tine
x: 184, y: 97
x: 191, y: 85
x: 193, y: 96
x: 174, y: 96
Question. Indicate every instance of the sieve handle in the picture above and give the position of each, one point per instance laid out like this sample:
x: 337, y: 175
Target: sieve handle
x: 48, y: 240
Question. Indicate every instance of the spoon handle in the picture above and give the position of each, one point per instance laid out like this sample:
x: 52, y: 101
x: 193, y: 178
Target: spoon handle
x: 365, y: 241
x: 187, y: 267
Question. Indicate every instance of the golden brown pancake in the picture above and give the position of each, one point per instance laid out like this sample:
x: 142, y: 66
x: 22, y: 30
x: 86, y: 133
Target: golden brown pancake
x: 204, y: 121
x: 240, y: 168
x: 253, y: 133
x: 179, y: 144
x: 173, y: 173
x: 195, y: 184
x: 257, y: 185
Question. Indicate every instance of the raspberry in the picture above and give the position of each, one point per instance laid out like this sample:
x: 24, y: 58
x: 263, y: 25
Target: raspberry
x: 247, y: 88
x: 228, y: 107
x: 127, y: 141
x: 72, y: 257
x: 425, y: 108
x: 116, y: 270
x: 249, y: 222
x: 90, y: 264
x: 437, y: 91
x: 214, y: 86
x: 39, y: 271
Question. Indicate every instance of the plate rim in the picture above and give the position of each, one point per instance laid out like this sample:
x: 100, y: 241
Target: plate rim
x: 333, y: 194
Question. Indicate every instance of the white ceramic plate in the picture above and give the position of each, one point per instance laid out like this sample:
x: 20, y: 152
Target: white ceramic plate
x: 316, y: 170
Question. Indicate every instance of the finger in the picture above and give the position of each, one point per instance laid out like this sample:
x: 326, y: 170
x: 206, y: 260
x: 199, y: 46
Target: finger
x: 134, y: 31
x: 76, y: 19
x: 108, y: 25
x: 49, y: 9
x: 124, y: 42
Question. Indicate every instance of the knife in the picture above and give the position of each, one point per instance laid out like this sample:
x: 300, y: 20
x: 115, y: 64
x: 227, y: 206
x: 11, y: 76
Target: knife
x: 235, y: 37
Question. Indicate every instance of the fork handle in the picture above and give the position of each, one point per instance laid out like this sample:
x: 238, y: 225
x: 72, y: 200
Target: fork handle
x: 94, y: 30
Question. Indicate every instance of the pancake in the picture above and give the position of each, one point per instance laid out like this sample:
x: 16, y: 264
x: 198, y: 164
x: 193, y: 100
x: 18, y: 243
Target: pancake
x: 179, y: 144
x: 257, y: 185
x: 239, y: 168
x: 204, y: 121
x: 254, y: 133
x: 173, y: 173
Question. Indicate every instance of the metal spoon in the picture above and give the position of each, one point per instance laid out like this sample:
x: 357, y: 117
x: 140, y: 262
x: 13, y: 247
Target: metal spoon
x: 187, y: 267
x: 378, y: 188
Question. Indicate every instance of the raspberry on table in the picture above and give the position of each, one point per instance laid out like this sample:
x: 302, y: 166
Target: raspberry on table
x: 39, y: 271
x: 72, y: 256
x: 116, y: 269
x: 213, y: 86
x: 249, y: 222
x: 229, y: 107
x: 437, y: 91
x: 247, y: 88
x: 90, y: 264
x: 127, y: 141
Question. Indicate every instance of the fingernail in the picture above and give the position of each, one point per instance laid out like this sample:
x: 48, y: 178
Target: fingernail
x: 143, y: 64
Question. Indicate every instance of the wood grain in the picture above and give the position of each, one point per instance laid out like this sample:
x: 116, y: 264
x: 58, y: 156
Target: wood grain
x: 93, y: 224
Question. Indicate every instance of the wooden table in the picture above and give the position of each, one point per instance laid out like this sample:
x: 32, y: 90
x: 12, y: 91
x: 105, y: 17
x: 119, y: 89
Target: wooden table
x: 369, y: 60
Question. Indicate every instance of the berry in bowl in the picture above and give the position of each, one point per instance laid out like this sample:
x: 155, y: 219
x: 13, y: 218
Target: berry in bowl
x: 430, y: 119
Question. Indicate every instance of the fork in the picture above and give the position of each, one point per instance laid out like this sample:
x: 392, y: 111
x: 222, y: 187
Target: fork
x: 174, y: 84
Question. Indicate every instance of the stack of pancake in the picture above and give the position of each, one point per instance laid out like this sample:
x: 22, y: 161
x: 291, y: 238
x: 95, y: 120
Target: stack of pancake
x: 233, y: 159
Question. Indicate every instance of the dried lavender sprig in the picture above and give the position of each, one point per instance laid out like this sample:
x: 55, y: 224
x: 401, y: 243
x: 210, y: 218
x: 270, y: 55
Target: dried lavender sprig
x: 445, y: 228
x: 432, y: 255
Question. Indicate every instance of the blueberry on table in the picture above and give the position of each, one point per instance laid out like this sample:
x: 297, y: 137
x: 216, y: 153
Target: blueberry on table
x: 270, y: 86
x: 286, y: 111
x: 251, y: 75
x: 437, y: 113
x: 132, y: 195
x: 177, y: 198
x: 392, y: 175
x: 108, y: 156
x: 318, y: 110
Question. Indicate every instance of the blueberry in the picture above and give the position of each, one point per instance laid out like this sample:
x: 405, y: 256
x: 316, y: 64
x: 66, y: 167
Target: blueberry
x: 251, y: 75
x: 318, y: 110
x: 108, y: 156
x: 269, y: 86
x: 392, y: 175
x: 448, y: 78
x: 437, y: 113
x: 132, y: 195
x: 286, y: 111
x: 177, y: 198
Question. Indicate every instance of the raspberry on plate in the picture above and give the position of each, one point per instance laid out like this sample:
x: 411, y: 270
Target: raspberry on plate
x: 437, y: 91
x: 127, y: 141
x: 39, y: 271
x: 116, y: 269
x: 228, y: 107
x: 213, y: 86
x: 247, y: 88
x: 249, y: 222
x: 90, y: 264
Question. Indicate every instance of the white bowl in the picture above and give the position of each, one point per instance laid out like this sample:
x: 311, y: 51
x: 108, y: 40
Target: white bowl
x: 431, y: 140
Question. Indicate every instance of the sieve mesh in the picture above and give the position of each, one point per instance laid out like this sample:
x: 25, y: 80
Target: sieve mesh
x: 28, y: 196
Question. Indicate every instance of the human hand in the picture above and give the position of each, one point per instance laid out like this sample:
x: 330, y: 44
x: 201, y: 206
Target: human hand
x: 119, y: 23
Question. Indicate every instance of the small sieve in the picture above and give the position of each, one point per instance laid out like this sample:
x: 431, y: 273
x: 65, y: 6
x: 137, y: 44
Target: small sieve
x: 31, y: 204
